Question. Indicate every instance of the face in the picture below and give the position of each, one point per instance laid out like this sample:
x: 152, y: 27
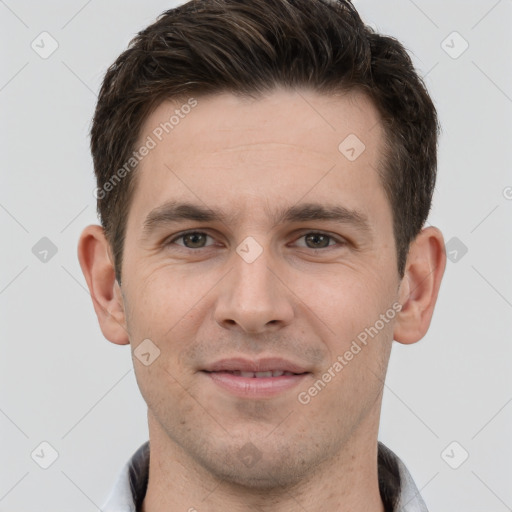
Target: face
x: 260, y: 240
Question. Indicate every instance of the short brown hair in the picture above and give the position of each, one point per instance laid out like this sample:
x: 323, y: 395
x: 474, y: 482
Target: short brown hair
x: 249, y: 48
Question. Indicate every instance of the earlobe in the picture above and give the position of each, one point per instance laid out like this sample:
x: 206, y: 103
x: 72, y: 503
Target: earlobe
x: 98, y: 270
x: 420, y: 285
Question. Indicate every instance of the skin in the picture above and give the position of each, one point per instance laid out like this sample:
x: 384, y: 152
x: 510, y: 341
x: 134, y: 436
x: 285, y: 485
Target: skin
x: 304, y: 299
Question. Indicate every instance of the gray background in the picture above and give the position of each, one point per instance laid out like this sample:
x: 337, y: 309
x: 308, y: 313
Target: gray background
x: 64, y: 384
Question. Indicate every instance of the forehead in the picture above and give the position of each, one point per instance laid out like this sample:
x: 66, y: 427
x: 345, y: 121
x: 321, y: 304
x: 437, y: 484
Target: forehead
x: 317, y: 121
x: 277, y: 148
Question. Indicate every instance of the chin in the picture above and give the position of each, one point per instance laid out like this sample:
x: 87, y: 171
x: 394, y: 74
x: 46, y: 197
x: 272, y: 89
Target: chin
x: 260, y: 470
x: 265, y: 477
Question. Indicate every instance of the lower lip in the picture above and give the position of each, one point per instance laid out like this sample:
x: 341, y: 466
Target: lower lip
x: 255, y: 387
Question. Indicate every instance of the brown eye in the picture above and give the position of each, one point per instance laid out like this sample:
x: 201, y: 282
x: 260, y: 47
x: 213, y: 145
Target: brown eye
x: 194, y: 240
x: 190, y: 240
x: 317, y: 240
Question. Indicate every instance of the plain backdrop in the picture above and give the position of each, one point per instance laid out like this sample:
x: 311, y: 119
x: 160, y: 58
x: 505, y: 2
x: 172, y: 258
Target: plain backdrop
x: 447, y: 408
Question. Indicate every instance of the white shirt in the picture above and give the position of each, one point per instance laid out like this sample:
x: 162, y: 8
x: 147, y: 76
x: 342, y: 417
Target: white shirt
x: 130, y: 488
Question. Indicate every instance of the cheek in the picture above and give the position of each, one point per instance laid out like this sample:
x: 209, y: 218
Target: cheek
x: 346, y: 300
x: 166, y: 391
x: 163, y: 301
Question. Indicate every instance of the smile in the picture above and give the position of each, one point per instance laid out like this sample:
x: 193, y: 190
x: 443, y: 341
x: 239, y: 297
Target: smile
x: 260, y: 379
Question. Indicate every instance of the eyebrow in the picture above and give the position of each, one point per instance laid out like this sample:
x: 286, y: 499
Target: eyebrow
x: 176, y: 211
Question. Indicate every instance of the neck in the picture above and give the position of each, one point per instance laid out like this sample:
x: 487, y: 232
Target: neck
x: 346, y: 482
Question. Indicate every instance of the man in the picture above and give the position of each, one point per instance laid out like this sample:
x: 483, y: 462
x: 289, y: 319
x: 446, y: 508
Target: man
x: 264, y: 172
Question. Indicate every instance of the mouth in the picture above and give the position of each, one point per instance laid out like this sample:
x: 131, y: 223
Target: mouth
x: 258, y: 375
x: 263, y: 378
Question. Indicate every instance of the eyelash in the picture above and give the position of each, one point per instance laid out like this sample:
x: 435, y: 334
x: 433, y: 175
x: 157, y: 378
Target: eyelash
x: 339, y: 241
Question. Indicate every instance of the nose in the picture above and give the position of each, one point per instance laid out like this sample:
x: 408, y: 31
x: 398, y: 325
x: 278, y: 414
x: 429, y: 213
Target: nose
x: 253, y: 298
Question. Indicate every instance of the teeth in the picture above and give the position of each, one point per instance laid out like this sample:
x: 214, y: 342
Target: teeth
x: 263, y: 374
x: 270, y: 373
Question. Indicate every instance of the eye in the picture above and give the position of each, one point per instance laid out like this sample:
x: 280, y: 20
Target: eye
x: 312, y: 240
x: 191, y: 240
x: 317, y: 240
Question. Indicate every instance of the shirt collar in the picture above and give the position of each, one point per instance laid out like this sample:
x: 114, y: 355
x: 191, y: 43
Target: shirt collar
x: 395, y: 483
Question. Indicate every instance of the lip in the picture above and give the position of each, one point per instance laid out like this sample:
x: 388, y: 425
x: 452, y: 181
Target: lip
x: 219, y: 373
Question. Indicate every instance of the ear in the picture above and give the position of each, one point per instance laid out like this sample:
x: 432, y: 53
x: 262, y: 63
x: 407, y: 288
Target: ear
x: 418, y: 291
x: 98, y: 269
